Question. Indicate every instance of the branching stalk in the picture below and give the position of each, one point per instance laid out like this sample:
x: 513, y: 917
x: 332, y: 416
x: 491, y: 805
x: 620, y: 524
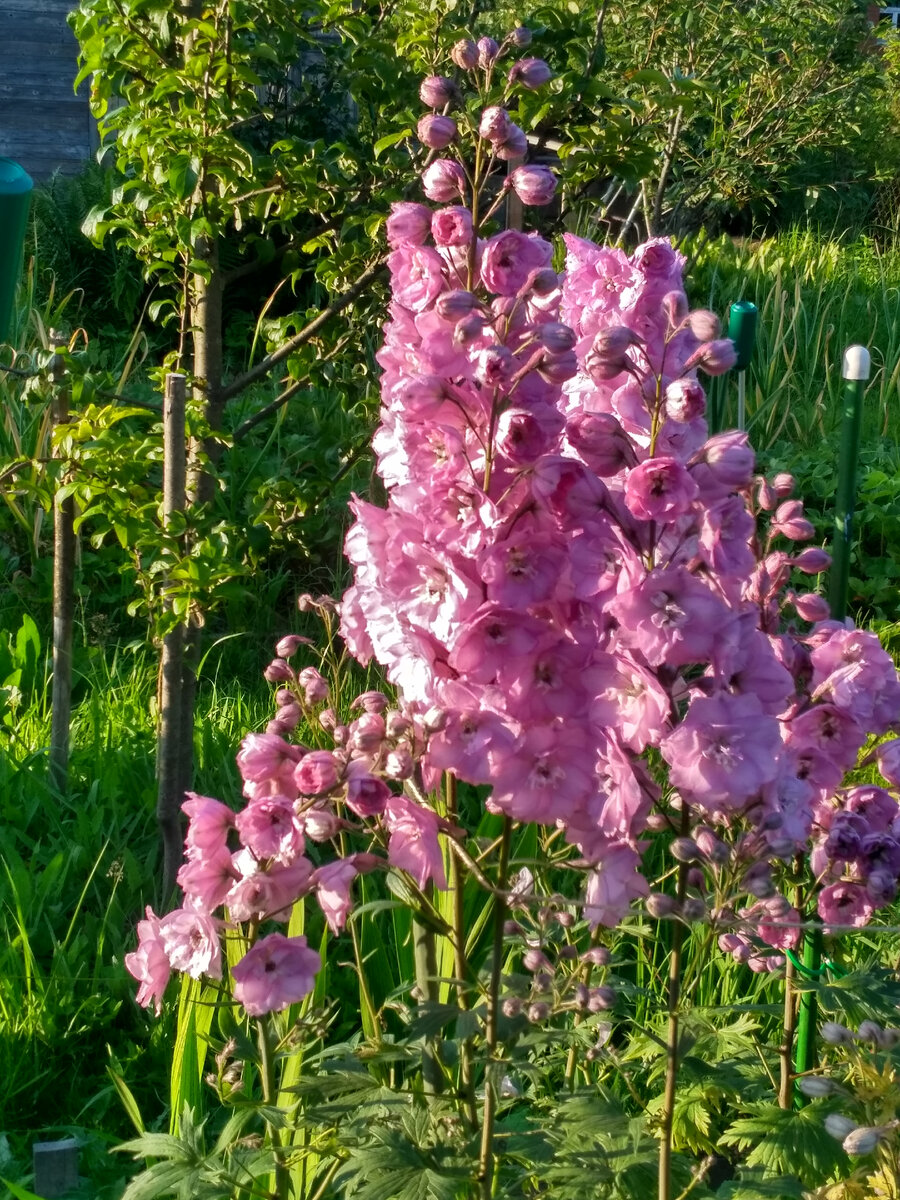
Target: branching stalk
x: 674, y: 998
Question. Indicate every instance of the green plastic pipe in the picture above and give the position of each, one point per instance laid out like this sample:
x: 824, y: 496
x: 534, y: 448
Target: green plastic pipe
x: 855, y: 372
x: 15, y: 200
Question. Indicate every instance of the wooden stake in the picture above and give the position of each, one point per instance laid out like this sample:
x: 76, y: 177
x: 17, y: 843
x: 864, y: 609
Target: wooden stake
x: 169, y: 756
x: 63, y: 591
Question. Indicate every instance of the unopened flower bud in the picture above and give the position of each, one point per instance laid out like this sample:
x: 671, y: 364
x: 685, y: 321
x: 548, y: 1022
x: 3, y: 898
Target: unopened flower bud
x: 869, y: 1031
x: 538, y: 1011
x: 766, y: 496
x: 582, y: 995
x: 530, y: 72
x: 601, y: 999
x: 675, y: 306
x: 815, y: 1086
x: 557, y: 368
x: 711, y: 846
x: 685, y: 400
x: 320, y: 824
x: 715, y: 358
x: 693, y: 909
x: 535, y: 960
x: 436, y: 131
x: 285, y: 696
x: 556, y: 337
x: 444, y: 181
x: 862, y: 1141
x: 315, y: 688
x: 437, y: 91
x: 783, y: 484
x: 278, y: 671
x: 495, y: 124
x: 812, y: 560
x: 704, y: 324
x: 835, y: 1034
x: 465, y: 54
x: 684, y: 849
x: 514, y: 145
x: 811, y: 607
x: 398, y: 764
x: 288, y: 646
x: 758, y: 881
x: 469, y: 329
x: 839, y: 1126
x: 520, y: 37
x: 488, y: 50
x: 543, y: 282
x: 598, y: 956
x: 660, y: 906
x: 511, y: 1006
x: 533, y: 184
x: 511, y: 928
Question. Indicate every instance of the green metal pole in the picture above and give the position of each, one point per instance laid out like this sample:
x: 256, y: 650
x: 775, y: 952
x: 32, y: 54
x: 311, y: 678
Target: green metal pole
x: 742, y: 319
x: 15, y: 199
x: 855, y: 373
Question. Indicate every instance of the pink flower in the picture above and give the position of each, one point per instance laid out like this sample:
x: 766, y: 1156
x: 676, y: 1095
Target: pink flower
x: 671, y: 617
x: 437, y: 91
x: 509, y: 258
x: 548, y: 774
x: 659, y: 489
x: 844, y: 904
x: 418, y: 278
x: 315, y: 688
x: 724, y: 751
x: 190, y: 939
x: 267, y: 758
x: 413, y: 845
x: 208, y: 824
x: 270, y: 893
x: 494, y: 124
x: 275, y: 973
x: 207, y: 879
x: 366, y: 794
x: 270, y: 829
x: 523, y: 570
x: 408, y: 225
x: 530, y: 72
x: 613, y: 885
x: 332, y: 883
x: 452, y: 226
x: 316, y: 773
x: 149, y: 964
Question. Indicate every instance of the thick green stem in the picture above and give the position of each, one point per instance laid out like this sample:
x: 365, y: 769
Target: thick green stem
x: 785, y: 1050
x: 487, y: 1161
x: 460, y: 958
x: 269, y: 1091
x: 425, y: 955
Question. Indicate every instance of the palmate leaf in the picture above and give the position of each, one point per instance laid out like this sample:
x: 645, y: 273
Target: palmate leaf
x: 754, y: 1185
x: 786, y: 1142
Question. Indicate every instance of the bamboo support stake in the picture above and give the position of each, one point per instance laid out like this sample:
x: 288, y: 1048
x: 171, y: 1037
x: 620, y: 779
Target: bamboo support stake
x: 169, y: 756
x: 63, y: 589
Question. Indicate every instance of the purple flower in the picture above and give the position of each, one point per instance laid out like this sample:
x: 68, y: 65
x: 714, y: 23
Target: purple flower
x: 844, y: 904
x: 530, y: 72
x: 452, y: 226
x: 533, y: 184
x: 436, y: 131
x: 275, y: 973
x: 437, y: 90
x: 149, y: 964
x: 443, y: 181
x: 659, y: 489
x: 408, y: 225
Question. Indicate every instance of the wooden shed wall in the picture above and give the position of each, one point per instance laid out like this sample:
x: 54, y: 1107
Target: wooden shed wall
x: 43, y: 124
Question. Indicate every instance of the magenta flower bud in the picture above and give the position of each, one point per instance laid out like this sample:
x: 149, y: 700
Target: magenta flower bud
x: 443, y: 181
x: 556, y: 337
x: 557, y: 368
x: 704, y: 324
x: 408, y: 225
x: 514, y: 145
x: 511, y: 1006
x: 316, y: 773
x: 314, y: 686
x: 660, y: 906
x: 543, y: 282
x: 453, y: 306
x: 494, y: 366
x: 533, y: 184
x: 494, y: 124
x: 435, y: 131
x: 370, y: 702
x: 597, y: 956
x: 278, y: 671
x: 289, y: 645
x: 530, y: 72
x: 685, y: 400
x: 488, y: 50
x: 812, y: 560
x: 321, y: 825
x: 715, y: 358
x: 602, y: 999
x: 521, y: 37
x: 675, y: 306
x: 790, y: 522
x: 286, y: 720
x: 710, y: 846
x: 783, y: 484
x: 367, y: 733
x: 465, y: 54
x: 285, y: 696
x: 811, y: 607
x: 468, y: 329
x: 684, y: 849
x: 437, y: 91
x: 730, y: 459
x: 396, y: 725
x: 398, y: 763
x: 452, y: 226
x: 766, y: 496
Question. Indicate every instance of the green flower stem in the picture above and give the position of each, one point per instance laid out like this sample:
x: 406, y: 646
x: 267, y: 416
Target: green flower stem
x: 487, y: 1162
x: 425, y: 956
x: 460, y: 958
x: 785, y: 1050
x: 270, y: 1091
x: 674, y: 998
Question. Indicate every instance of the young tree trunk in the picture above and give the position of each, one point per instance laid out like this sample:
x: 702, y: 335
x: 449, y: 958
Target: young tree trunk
x: 63, y: 600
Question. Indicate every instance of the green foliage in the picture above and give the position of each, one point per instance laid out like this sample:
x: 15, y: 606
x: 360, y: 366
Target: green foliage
x: 786, y: 1141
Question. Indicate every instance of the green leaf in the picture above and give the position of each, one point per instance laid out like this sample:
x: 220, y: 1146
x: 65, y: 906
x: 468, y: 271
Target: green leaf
x: 390, y: 139
x: 787, y: 1142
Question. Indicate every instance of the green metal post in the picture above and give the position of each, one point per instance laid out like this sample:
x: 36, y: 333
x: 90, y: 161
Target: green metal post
x: 742, y: 318
x: 855, y: 373
x: 15, y: 199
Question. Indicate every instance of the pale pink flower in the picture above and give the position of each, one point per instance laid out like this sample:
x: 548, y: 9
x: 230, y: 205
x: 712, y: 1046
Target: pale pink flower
x: 452, y: 226
x: 408, y: 225
x: 509, y: 258
x: 208, y: 824
x: 659, y: 489
x: 270, y: 829
x: 190, y: 939
x: 316, y: 773
x: 149, y: 964
x: 332, y: 883
x: 413, y: 845
x: 613, y: 884
x: 443, y: 181
x: 417, y: 273
x: 845, y: 904
x: 275, y: 973
x: 207, y: 879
